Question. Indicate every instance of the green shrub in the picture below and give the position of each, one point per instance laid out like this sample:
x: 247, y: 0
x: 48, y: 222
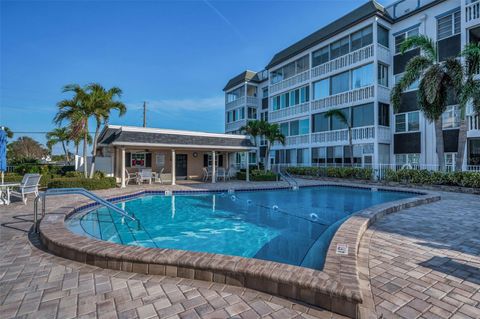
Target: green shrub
x: 87, y: 183
x: 74, y: 174
x: 335, y: 172
x: 465, y: 179
x: 257, y: 175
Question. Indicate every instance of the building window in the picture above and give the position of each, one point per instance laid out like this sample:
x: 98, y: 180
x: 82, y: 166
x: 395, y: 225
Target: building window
x: 284, y: 128
x: 473, y: 154
x: 383, y: 114
x: 362, y: 76
x: 363, y: 115
x: 319, y: 155
x: 304, y: 126
x: 235, y: 94
x: 321, y: 89
x: 321, y: 56
x: 340, y: 83
x: 400, y: 38
x: 407, y: 159
x: 382, y: 75
x: 451, y: 117
x: 383, y: 36
x: 361, y: 38
x: 291, y: 69
x: 450, y: 159
x: 337, y: 124
x: 137, y: 160
x: 448, y: 25
x: 252, y: 113
x: 291, y: 98
x: 294, y: 128
x: 264, y: 116
x: 320, y: 123
x: 339, y: 48
x: 265, y: 92
x: 407, y: 122
x: 412, y: 87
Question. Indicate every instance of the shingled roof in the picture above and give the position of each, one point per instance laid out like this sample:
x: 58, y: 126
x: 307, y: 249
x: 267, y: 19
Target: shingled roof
x: 151, y: 137
x: 369, y: 9
x: 246, y: 76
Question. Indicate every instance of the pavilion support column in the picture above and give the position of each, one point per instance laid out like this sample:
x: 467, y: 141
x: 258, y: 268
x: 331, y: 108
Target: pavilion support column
x: 248, y: 166
x: 214, y: 168
x: 174, y: 162
x: 123, y: 168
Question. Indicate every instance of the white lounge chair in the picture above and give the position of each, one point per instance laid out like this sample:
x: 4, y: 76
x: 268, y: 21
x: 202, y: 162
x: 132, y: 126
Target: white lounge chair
x: 207, y: 173
x: 29, y: 185
x: 130, y: 177
x: 145, y: 175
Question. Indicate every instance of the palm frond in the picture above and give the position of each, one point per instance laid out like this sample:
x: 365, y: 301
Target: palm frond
x: 337, y: 113
x: 423, y: 42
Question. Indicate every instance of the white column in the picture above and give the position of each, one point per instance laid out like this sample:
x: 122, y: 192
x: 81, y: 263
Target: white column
x: 174, y: 177
x: 248, y: 166
x: 214, y: 169
x: 123, y: 168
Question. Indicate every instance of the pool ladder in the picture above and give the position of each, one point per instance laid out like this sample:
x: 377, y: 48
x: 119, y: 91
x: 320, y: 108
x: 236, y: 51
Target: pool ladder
x: 74, y: 191
x: 285, y: 175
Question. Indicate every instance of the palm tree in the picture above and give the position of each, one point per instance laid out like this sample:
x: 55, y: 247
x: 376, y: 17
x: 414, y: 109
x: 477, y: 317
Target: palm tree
x: 254, y: 129
x: 77, y: 139
x: 59, y: 135
x: 272, y: 134
x: 470, y: 92
x: 7, y: 131
x: 104, y: 102
x: 436, y: 79
x: 345, y: 120
x: 77, y: 111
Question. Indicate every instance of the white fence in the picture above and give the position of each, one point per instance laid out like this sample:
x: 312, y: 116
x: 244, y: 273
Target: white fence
x: 102, y: 164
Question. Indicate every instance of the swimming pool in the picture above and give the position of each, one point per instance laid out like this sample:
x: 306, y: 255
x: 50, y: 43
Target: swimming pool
x: 287, y: 226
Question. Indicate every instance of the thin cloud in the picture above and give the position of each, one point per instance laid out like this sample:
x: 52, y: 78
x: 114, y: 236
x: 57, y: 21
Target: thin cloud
x: 182, y: 105
x: 225, y: 19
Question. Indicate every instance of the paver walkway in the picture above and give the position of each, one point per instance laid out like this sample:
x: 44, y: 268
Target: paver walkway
x: 425, y: 261
x: 36, y: 284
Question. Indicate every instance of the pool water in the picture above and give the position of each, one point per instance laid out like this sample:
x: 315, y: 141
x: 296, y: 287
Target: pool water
x: 292, y: 227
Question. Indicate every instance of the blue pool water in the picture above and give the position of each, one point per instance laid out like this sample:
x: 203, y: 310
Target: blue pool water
x: 292, y: 227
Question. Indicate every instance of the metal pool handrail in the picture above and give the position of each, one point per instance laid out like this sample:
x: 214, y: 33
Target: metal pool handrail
x: 74, y: 191
x: 285, y: 175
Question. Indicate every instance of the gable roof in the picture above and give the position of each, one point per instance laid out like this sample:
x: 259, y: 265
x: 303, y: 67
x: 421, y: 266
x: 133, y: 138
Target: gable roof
x: 152, y: 137
x: 365, y: 11
x: 245, y: 76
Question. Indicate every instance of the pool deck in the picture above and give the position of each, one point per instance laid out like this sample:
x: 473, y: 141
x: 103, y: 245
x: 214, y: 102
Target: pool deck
x: 422, y: 261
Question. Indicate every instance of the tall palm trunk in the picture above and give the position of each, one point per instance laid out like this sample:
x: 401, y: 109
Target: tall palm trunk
x: 85, y: 143
x: 350, y: 143
x: 267, y: 152
x: 440, y: 146
x: 94, y: 151
x: 67, y: 159
x: 462, y: 141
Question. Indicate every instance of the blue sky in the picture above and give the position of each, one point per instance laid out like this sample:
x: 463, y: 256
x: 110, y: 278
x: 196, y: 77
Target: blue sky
x: 176, y: 55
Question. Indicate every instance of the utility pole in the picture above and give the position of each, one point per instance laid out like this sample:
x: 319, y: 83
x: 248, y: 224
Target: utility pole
x: 144, y: 114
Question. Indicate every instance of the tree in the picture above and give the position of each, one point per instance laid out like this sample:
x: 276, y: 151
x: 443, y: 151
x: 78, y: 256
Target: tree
x: 338, y: 114
x: 470, y: 92
x: 77, y: 112
x: 103, y: 102
x: 24, y: 149
x: 77, y: 139
x: 272, y: 134
x: 254, y: 129
x: 436, y: 80
x: 8, y: 132
x: 59, y: 135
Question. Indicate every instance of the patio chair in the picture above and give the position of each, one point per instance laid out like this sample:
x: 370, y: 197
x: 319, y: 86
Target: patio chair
x: 158, y: 176
x: 145, y: 175
x: 29, y: 185
x: 130, y: 177
x: 221, y: 173
x: 207, y: 173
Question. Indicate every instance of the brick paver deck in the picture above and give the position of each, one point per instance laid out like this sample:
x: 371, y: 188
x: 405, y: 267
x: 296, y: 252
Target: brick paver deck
x: 37, y: 284
x: 425, y: 261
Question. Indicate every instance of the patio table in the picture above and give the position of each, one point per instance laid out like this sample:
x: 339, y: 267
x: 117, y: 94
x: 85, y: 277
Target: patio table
x: 5, y: 192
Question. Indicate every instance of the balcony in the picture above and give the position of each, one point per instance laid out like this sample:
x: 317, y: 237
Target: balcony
x: 383, y: 54
x: 384, y: 134
x: 238, y: 102
x: 344, y: 61
x: 472, y: 14
x: 292, y: 111
x: 383, y: 94
x: 473, y: 123
x: 234, y: 126
x: 297, y: 140
x: 292, y: 81
x: 359, y: 134
x: 344, y: 99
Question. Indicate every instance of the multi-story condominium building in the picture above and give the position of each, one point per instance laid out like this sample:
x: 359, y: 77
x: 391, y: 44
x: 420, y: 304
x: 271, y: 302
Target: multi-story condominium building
x: 351, y: 64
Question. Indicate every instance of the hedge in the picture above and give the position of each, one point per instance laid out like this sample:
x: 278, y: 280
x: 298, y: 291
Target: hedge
x: 335, y: 172
x: 464, y: 179
x: 257, y: 176
x: 43, y: 169
x: 87, y: 183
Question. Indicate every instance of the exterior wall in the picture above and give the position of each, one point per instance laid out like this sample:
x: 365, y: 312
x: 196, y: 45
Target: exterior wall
x: 383, y: 138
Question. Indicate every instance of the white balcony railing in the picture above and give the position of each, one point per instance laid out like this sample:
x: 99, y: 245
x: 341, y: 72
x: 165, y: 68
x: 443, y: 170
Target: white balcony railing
x: 344, y: 98
x: 233, y: 104
x: 343, y: 61
x: 472, y: 11
x: 252, y: 100
x: 473, y: 122
x: 341, y: 136
x: 383, y: 93
x: 291, y: 111
x: 383, y: 54
x: 234, y: 126
x: 295, y: 140
x: 384, y: 134
x: 292, y: 81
